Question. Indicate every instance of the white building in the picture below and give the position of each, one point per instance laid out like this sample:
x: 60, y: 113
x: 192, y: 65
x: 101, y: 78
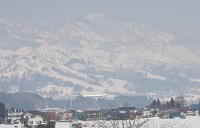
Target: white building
x: 14, y: 114
x: 146, y: 113
x: 32, y: 118
x: 56, y: 110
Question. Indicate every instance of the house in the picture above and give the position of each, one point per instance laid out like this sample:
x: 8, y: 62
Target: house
x: 65, y: 116
x: 190, y: 113
x: 32, y: 118
x: 81, y: 115
x: 112, y: 114
x: 195, y: 107
x: 184, y: 109
x: 171, y: 113
x: 126, y: 112
x: 54, y: 110
x: 94, y: 115
x: 146, y: 113
x: 48, y: 116
x: 14, y: 114
x: 153, y: 109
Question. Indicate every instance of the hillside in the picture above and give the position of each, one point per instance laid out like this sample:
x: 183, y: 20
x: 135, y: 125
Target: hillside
x: 95, y: 55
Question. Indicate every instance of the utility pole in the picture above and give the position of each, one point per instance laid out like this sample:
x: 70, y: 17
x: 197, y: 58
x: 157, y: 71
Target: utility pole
x: 5, y: 114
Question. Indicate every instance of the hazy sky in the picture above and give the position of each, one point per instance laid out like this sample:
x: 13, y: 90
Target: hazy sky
x: 182, y: 14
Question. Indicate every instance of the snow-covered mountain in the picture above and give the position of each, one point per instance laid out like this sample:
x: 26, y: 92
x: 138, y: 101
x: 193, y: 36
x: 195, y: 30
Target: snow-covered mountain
x: 95, y: 55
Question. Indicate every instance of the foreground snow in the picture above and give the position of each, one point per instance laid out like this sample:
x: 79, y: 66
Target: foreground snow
x: 189, y: 122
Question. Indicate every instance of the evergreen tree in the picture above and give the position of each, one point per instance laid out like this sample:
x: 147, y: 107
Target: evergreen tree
x: 153, y: 104
x: 158, y: 104
x: 172, y: 104
x: 50, y: 125
x: 2, y: 110
x: 168, y: 105
x: 181, y: 99
x: 178, y: 105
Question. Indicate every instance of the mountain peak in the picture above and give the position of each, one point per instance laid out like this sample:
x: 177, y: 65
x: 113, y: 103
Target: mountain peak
x: 95, y: 16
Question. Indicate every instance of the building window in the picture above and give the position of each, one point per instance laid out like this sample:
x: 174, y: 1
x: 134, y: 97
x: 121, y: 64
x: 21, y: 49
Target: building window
x: 38, y: 122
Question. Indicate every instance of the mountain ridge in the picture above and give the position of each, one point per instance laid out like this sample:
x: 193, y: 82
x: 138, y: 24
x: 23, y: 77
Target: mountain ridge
x: 96, y: 56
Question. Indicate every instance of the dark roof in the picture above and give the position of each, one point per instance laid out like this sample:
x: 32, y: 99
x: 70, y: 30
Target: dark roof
x: 127, y: 108
x: 15, y: 110
x: 170, y: 111
x: 35, y: 112
x: 152, y: 106
x: 93, y: 111
x: 65, y: 112
x: 195, y: 106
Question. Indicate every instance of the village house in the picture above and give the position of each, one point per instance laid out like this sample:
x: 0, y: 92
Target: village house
x: 171, y: 113
x: 94, y: 115
x: 32, y: 118
x: 80, y: 115
x: 14, y: 114
x: 127, y: 112
x: 146, y: 114
x: 152, y: 110
x: 48, y: 116
x: 195, y: 108
x: 54, y: 110
x: 65, y: 116
x: 190, y: 113
x: 112, y: 114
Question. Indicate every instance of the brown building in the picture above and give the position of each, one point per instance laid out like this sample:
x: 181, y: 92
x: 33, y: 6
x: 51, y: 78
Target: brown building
x: 63, y: 116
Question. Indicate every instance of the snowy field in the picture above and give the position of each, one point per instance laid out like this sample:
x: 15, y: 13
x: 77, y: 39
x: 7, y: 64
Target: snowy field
x: 189, y: 122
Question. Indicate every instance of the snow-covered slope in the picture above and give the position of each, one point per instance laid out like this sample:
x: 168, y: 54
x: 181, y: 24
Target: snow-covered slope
x: 95, y: 55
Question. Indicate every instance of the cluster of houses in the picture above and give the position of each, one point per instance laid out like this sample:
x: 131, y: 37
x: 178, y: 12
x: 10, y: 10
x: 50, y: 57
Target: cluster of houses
x: 35, y: 117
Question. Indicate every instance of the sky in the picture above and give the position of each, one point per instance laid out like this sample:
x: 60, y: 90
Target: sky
x: 180, y: 14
